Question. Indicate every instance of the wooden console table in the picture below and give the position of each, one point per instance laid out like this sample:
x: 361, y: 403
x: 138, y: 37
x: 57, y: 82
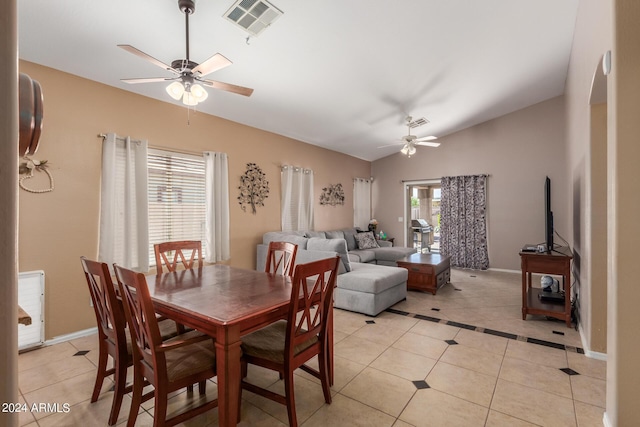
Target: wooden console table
x: 557, y: 262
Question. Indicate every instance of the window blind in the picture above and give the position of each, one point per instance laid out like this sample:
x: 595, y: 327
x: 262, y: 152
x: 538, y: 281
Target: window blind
x: 176, y: 198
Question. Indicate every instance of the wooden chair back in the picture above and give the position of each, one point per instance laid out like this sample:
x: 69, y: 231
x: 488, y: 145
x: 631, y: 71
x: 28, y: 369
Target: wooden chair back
x: 141, y: 317
x: 106, y: 304
x: 281, y: 256
x: 111, y: 321
x: 285, y: 346
x: 188, y: 363
x: 172, y: 253
x: 311, y: 300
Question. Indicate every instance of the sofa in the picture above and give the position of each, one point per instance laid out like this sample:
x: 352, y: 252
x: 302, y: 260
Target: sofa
x: 368, y: 280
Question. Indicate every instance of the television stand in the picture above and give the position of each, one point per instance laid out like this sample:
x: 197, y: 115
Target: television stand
x: 557, y: 262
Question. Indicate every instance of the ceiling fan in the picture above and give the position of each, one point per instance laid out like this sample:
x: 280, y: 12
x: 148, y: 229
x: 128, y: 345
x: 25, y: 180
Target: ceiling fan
x: 188, y: 75
x: 409, y: 141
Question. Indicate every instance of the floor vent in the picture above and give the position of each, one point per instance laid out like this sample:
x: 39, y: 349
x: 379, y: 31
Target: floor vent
x: 31, y: 299
x: 253, y: 16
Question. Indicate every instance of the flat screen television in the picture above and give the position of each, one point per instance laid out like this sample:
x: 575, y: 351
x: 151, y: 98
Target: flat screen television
x: 548, y: 216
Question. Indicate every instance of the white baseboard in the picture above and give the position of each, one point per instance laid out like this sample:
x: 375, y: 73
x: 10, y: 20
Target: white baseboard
x: 504, y: 270
x: 591, y: 354
x: 71, y: 336
x: 605, y: 420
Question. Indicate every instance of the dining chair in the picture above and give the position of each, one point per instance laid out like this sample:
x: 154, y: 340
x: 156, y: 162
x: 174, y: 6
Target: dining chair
x: 172, y: 253
x: 281, y: 255
x: 288, y: 344
x: 166, y: 365
x: 113, y: 337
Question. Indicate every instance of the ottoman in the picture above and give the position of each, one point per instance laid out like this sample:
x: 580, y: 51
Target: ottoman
x: 370, y: 289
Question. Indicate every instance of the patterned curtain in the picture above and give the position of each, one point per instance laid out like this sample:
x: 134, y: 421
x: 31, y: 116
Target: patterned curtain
x: 463, y: 224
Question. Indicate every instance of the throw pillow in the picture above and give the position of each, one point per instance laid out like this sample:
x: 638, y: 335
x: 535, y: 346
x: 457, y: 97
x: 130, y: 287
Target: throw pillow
x: 315, y: 234
x: 334, y: 234
x: 350, y: 237
x: 333, y: 245
x: 366, y: 240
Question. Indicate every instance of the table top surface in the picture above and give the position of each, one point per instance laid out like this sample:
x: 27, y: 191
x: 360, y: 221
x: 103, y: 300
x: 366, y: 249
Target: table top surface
x: 222, y: 294
x: 558, y: 251
x: 428, y: 258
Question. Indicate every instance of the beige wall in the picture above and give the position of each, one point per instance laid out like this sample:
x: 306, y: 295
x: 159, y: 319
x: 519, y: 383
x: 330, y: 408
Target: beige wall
x: 517, y: 150
x: 57, y: 228
x: 591, y: 39
x: 600, y: 26
x: 593, y: 290
x: 623, y: 374
x: 8, y: 211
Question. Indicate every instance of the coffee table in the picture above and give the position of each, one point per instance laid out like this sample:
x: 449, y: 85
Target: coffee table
x: 427, y: 272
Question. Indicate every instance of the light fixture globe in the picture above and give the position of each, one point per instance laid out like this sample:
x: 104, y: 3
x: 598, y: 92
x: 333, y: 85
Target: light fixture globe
x: 408, y: 149
x: 189, y: 99
x: 175, y: 90
x: 198, y: 92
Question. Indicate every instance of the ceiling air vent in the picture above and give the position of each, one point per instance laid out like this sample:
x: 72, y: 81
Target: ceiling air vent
x: 418, y: 122
x: 253, y: 16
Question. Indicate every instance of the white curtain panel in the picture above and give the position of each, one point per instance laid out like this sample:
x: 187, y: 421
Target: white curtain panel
x: 124, y: 218
x: 361, y: 203
x: 297, y: 198
x: 217, y: 199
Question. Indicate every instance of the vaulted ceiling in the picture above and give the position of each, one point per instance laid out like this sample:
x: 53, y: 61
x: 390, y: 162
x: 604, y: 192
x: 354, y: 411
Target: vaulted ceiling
x: 338, y: 74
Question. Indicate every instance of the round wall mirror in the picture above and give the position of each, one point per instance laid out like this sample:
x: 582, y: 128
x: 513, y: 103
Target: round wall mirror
x: 30, y: 105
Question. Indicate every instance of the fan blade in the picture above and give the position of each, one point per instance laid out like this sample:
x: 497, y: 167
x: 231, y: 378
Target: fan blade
x: 240, y: 90
x: 215, y: 63
x: 427, y: 138
x: 149, y: 80
x: 146, y: 57
x: 427, y: 144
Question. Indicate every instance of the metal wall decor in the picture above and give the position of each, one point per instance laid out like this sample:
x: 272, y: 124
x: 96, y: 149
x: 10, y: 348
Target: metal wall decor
x: 254, y: 188
x: 332, y: 195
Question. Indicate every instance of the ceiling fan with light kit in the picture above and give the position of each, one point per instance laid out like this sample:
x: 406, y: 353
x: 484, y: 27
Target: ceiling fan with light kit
x: 188, y: 75
x: 409, y: 141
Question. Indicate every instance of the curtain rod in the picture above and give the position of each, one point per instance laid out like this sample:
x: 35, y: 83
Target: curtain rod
x: 121, y: 138
x: 157, y: 147
x: 438, y: 179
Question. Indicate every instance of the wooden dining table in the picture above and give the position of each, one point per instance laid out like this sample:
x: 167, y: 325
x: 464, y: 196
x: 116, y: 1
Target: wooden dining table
x: 226, y: 303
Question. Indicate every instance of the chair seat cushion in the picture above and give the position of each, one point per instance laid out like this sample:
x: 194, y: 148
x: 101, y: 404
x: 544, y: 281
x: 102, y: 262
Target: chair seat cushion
x: 190, y: 359
x: 268, y: 343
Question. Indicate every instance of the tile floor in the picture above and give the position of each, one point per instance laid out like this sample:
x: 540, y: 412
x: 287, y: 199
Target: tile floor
x: 463, y: 357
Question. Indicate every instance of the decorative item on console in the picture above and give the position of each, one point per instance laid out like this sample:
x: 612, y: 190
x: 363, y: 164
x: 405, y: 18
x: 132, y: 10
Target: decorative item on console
x: 372, y: 225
